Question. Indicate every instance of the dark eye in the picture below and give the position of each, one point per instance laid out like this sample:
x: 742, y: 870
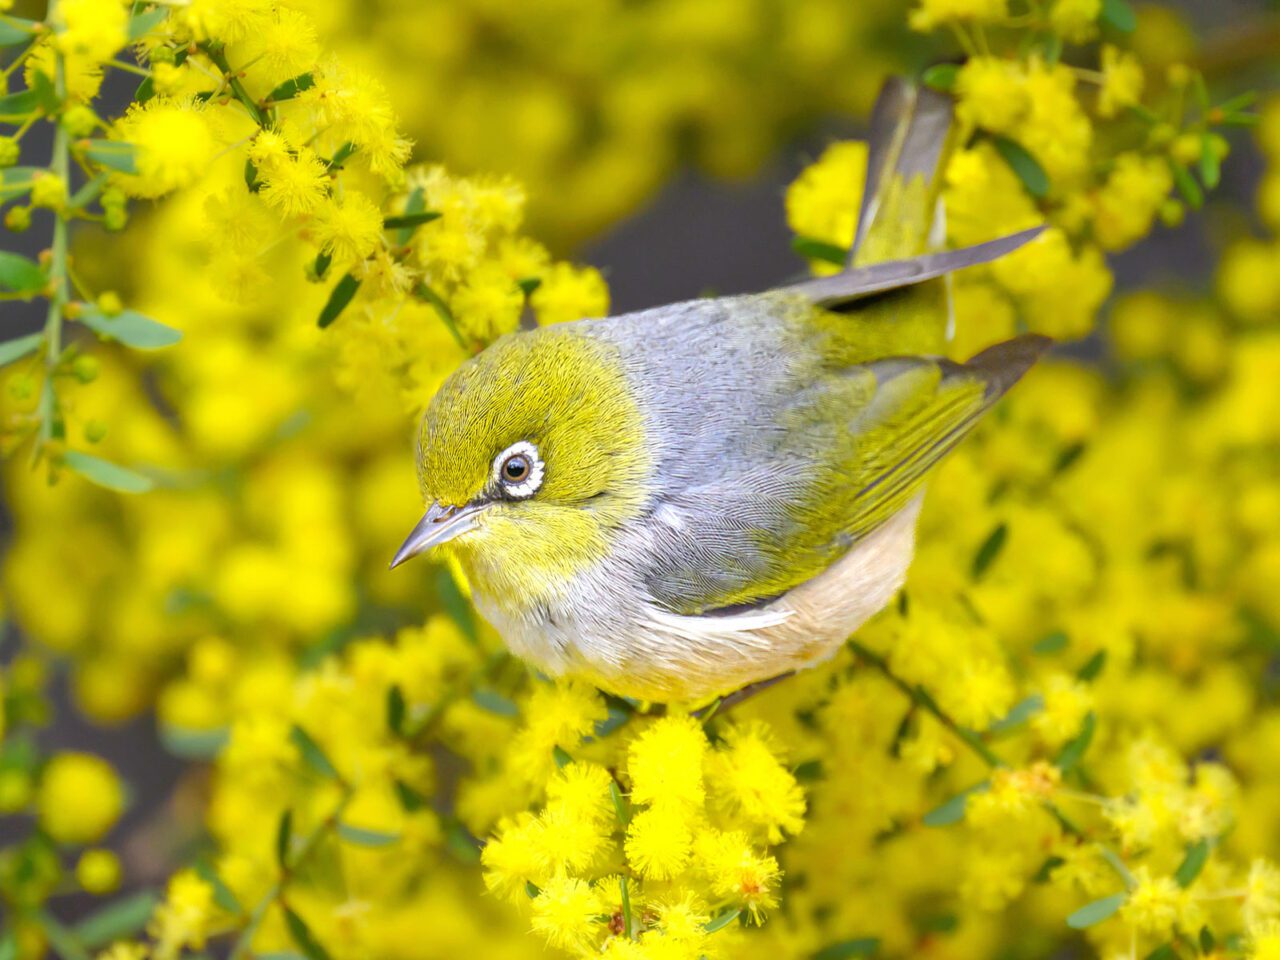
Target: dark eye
x: 515, y: 468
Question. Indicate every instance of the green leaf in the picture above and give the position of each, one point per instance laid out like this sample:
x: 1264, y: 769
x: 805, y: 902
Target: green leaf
x: 284, y: 838
x: 1193, y: 862
x: 531, y: 889
x: 130, y: 328
x: 1208, y: 943
x: 61, y: 939
x: 19, y: 347
x: 321, y: 266
x: 819, y: 250
x: 408, y: 221
x: 1020, y: 714
x: 1163, y: 952
x: 410, y: 800
x: 1210, y: 166
x: 15, y: 181
x: 303, y: 936
x: 627, y: 925
x: 1118, y: 865
x: 1071, y: 754
x: 140, y: 24
x: 20, y: 103
x: 953, y: 810
x: 1096, y: 912
x: 194, y: 744
x: 1187, y: 185
x: 342, y: 293
x: 312, y: 755
x: 251, y: 176
x: 809, y: 771
x: 14, y: 31
x: 621, y: 806
x: 495, y: 702
x: 1093, y: 666
x: 862, y: 947
x: 529, y: 284
x: 989, y: 550
x: 1118, y: 15
x: 222, y: 894
x: 1024, y: 165
x: 1051, y: 643
x: 722, y: 921
x: 291, y: 88
x: 562, y: 756
x: 116, y: 921
x: 107, y: 474
x: 9, y: 946
x: 19, y: 274
x: 461, y: 843
x: 1068, y: 457
x: 942, y: 76
x: 366, y: 838
x: 113, y: 154
x: 341, y: 155
x: 395, y: 710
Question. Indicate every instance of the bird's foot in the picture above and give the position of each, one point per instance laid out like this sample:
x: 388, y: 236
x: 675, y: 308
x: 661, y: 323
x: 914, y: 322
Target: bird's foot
x: 742, y: 694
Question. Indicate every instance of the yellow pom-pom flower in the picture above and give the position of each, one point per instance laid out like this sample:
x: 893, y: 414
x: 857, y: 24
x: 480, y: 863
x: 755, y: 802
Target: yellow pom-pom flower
x: 80, y: 798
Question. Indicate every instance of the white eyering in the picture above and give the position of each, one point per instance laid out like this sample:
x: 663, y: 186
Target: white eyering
x: 532, y: 481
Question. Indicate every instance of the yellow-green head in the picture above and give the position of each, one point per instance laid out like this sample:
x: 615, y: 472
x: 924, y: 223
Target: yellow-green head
x: 529, y: 455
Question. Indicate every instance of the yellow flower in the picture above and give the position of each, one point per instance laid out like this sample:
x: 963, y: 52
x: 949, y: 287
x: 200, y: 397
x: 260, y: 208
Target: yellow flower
x: 183, y: 918
x: 293, y: 186
x: 93, y: 29
x: 991, y: 93
x: 1154, y: 903
x: 934, y: 13
x: 125, y: 950
x: 488, y: 304
x: 98, y: 871
x: 570, y: 293
x: 665, y: 763
x: 659, y: 842
x: 1066, y: 702
x: 80, y: 798
x: 823, y: 201
x: 566, y: 912
x: 289, y: 44
x: 1122, y: 81
x: 736, y: 872
x: 582, y: 789
x: 1127, y: 204
x: 348, y: 229
x: 1262, y: 895
x: 1076, y: 20
x: 173, y: 146
x: 750, y: 781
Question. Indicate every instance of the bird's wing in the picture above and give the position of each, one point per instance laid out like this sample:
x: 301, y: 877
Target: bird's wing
x: 844, y: 456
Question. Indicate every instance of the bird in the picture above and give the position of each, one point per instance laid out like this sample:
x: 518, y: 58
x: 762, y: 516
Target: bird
x: 684, y: 502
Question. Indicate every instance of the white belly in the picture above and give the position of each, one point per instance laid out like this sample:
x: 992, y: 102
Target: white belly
x: 639, y: 650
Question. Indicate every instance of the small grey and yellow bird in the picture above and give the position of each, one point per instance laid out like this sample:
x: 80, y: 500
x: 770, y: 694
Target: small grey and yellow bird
x: 677, y: 503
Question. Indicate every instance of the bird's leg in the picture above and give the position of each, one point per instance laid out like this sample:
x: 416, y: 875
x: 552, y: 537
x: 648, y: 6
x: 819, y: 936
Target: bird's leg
x: 730, y: 700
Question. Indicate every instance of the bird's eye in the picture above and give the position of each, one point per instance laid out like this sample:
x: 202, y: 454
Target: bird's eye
x: 515, y: 468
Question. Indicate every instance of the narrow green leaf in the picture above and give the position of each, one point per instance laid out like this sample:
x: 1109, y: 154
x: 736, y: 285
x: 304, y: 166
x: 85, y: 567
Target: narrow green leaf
x: 312, y: 755
x: 19, y: 347
x: 1118, y: 865
x: 953, y: 810
x: 116, y: 921
x: 862, y: 947
x: 621, y: 806
x: 942, y: 76
x: 222, y: 895
x: 1024, y: 165
x: 14, y: 31
x: 809, y: 771
x: 15, y: 181
x: 627, y: 926
x: 341, y: 155
x: 1020, y: 714
x: 366, y: 838
x: 1210, y: 166
x: 562, y: 756
x: 130, y: 328
x: 19, y: 104
x: 395, y: 710
x: 342, y: 293
x: 20, y: 275
x: 1193, y: 862
x: 531, y: 889
x: 47, y: 98
x: 1239, y: 102
x: 113, y: 154
x: 89, y: 190
x: 194, y: 744
x: 140, y: 24
x: 408, y: 221
x: 1208, y: 943
x: 989, y: 550
x: 461, y: 843
x: 1096, y: 912
x: 1163, y: 952
x: 417, y: 203
x: 1068, y: 457
x: 303, y: 936
x: 529, y: 284
x: 410, y: 800
x: 1093, y: 666
x: 722, y: 921
x: 291, y: 88
x: 284, y: 838
x: 1050, y: 644
x: 251, y: 176
x: 1071, y: 754
x: 495, y: 702
x: 107, y: 474
x: 1118, y: 15
x: 1187, y: 185
x: 321, y: 266
x: 819, y: 250
x: 61, y: 939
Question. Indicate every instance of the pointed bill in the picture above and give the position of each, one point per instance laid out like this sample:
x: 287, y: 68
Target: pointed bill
x: 438, y: 525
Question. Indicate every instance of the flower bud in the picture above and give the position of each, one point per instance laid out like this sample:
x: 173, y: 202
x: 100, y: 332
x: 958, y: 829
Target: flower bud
x: 79, y: 121
x: 9, y: 151
x: 17, y: 219
x: 48, y: 190
x: 95, y: 431
x: 86, y: 368
x: 109, y: 303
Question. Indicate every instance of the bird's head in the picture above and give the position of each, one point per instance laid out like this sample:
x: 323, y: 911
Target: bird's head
x: 529, y: 456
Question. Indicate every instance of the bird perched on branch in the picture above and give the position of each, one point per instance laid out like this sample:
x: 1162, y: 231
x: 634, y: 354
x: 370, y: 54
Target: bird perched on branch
x: 677, y: 503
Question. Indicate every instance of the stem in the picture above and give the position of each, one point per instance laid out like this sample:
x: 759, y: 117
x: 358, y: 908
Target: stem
x: 59, y: 166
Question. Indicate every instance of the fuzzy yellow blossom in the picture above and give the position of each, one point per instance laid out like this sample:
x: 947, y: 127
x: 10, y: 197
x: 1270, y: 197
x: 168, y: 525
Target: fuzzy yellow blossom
x: 1066, y: 702
x: 488, y: 304
x: 1056, y: 129
x: 98, y: 871
x: 557, y: 715
x: 737, y: 872
x: 664, y: 763
x: 659, y: 841
x: 80, y: 798
x: 1122, y: 81
x: 1262, y: 894
x: 933, y: 13
x: 570, y: 293
x: 1059, y: 288
x: 1128, y: 202
x: 228, y: 20
x: 93, y: 29
x: 582, y: 789
x: 125, y: 950
x: 823, y: 201
x: 750, y: 781
x: 292, y: 185
x: 1155, y: 904
x: 990, y: 93
x: 1264, y: 942
x: 567, y: 913
x: 82, y: 75
x: 182, y: 919
x: 1076, y: 20
x: 289, y: 44
x: 173, y: 144
x: 347, y: 229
